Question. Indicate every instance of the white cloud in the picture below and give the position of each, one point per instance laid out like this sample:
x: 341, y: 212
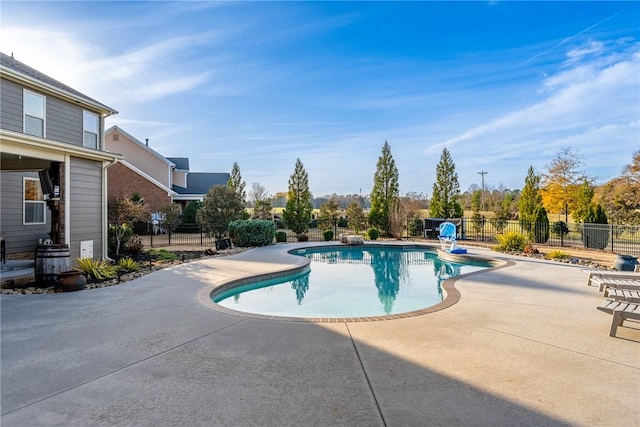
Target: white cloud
x: 140, y: 75
x: 592, y: 48
x: 592, y: 106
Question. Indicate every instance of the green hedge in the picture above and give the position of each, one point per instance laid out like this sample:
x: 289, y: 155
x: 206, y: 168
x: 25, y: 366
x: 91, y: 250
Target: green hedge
x: 254, y: 232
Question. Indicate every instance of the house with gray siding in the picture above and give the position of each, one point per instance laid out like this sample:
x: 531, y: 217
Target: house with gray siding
x: 53, y: 164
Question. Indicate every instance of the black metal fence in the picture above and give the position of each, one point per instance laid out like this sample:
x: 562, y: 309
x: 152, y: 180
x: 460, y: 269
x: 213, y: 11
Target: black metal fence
x: 615, y: 238
x: 609, y: 237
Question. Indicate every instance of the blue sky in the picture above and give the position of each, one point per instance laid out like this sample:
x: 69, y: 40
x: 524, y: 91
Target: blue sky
x: 503, y: 85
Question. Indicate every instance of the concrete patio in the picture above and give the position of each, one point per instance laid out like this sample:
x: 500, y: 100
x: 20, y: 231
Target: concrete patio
x: 525, y: 345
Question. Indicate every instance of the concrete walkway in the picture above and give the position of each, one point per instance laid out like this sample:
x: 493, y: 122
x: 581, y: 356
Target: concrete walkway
x: 523, y: 346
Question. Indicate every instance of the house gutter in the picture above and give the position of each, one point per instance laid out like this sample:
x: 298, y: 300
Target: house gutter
x: 105, y: 211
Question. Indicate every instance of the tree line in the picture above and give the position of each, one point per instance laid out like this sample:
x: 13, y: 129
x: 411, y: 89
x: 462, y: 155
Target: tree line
x: 562, y: 189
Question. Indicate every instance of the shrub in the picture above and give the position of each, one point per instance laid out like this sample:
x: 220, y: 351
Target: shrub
x: 96, y: 269
x: 557, y: 255
x: 279, y: 223
x: 162, y: 255
x: 342, y: 222
x: 303, y: 237
x: 190, y: 212
x: 511, y: 241
x: 541, y: 229
x: 135, y: 247
x: 313, y: 223
x: 254, y: 232
x: 373, y: 233
x: 127, y: 264
x: 560, y: 229
x: 595, y: 235
x: 126, y: 231
x: 327, y: 235
x: 281, y: 236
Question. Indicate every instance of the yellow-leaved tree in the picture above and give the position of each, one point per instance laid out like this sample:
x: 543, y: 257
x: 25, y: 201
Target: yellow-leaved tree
x: 561, y: 182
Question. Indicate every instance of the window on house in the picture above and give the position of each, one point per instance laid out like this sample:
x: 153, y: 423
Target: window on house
x: 90, y: 127
x: 33, y: 113
x: 33, y: 204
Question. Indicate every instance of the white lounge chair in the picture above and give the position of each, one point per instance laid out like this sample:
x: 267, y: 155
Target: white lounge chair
x: 621, y: 311
x: 624, y: 295
x: 447, y: 236
x: 605, y: 283
x: 613, y: 274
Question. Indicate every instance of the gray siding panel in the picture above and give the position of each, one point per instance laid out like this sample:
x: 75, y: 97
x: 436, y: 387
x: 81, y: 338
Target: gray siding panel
x: 63, y: 119
x: 18, y: 237
x: 64, y: 122
x: 10, y: 106
x: 85, y: 206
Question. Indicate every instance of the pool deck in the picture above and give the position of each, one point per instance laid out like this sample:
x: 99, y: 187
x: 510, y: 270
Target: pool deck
x: 524, y: 345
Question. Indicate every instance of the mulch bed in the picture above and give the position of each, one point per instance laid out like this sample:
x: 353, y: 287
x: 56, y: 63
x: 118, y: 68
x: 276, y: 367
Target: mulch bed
x: 146, y: 267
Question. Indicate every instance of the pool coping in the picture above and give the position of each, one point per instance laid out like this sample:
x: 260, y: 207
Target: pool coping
x: 452, y: 295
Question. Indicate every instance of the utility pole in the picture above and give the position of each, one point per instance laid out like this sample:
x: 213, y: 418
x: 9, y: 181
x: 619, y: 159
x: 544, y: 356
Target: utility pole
x: 483, y: 173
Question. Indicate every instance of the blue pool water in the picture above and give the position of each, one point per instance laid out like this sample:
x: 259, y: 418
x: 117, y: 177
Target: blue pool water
x: 351, y: 282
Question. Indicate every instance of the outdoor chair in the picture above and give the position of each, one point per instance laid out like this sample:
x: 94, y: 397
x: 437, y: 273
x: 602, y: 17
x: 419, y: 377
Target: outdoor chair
x: 447, y: 237
x: 604, y: 274
x: 606, y: 283
x: 624, y: 295
x: 621, y: 311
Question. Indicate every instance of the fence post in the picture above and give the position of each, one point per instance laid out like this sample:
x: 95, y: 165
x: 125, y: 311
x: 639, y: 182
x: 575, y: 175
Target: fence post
x: 201, y: 238
x: 611, y: 234
x: 151, y: 234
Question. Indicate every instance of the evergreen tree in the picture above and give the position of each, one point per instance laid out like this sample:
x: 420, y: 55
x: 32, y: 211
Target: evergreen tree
x: 190, y: 212
x: 477, y: 219
x: 329, y: 214
x: 385, y: 190
x: 221, y: 206
x: 531, y: 203
x: 355, y: 217
x: 584, y: 201
x: 444, y: 202
x: 236, y: 184
x: 297, y: 213
x: 502, y: 213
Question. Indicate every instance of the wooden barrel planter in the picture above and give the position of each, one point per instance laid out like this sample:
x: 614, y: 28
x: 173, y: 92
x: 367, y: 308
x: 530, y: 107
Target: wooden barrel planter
x: 50, y: 261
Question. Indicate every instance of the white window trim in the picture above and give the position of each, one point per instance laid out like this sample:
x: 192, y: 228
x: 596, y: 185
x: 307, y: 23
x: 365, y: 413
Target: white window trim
x: 98, y: 142
x: 24, y: 202
x: 44, y: 113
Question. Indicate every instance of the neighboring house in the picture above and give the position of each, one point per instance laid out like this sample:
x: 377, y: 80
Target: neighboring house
x: 157, y: 179
x: 53, y: 180
x: 142, y: 170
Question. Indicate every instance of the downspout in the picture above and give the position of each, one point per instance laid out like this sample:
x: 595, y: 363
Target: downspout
x: 105, y: 212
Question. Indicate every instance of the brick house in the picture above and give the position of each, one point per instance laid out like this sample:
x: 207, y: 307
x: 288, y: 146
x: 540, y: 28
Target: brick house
x: 157, y: 179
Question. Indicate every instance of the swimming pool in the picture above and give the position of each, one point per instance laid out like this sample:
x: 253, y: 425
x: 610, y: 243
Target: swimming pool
x: 361, y: 281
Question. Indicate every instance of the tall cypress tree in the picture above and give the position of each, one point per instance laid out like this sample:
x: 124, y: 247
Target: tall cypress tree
x: 237, y: 184
x: 444, y: 202
x: 385, y: 189
x: 533, y: 216
x: 297, y: 213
